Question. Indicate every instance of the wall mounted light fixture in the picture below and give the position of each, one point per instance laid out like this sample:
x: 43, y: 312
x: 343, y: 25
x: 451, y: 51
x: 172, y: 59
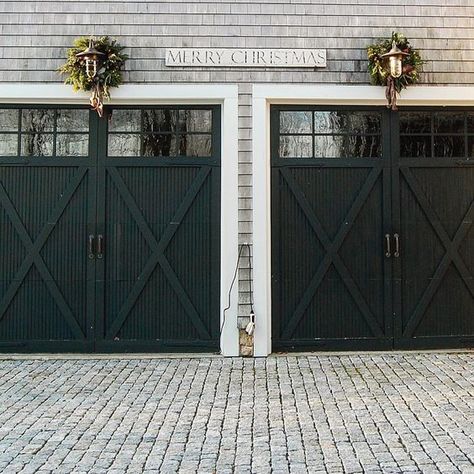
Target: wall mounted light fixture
x: 393, y: 63
x: 394, y: 57
x: 95, y: 66
x: 91, y: 57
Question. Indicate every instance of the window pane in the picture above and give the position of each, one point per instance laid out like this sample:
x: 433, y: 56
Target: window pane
x: 368, y: 146
x: 363, y: 122
x: 470, y: 147
x: 125, y: 121
x: 330, y: 122
x: 8, y: 120
x: 159, y: 120
x: 415, y: 146
x: 415, y: 122
x: 347, y: 122
x: 159, y: 145
x: 328, y: 146
x: 447, y: 147
x: 296, y: 122
x: 72, y: 145
x: 73, y: 120
x: 449, y: 122
x: 296, y: 146
x: 37, y: 120
x: 195, y: 121
x: 124, y: 145
x: 470, y: 123
x: 195, y: 145
x: 37, y: 144
x: 8, y: 144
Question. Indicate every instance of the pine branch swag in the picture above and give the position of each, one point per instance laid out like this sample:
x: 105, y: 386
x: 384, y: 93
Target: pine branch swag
x: 380, y: 74
x: 109, y: 73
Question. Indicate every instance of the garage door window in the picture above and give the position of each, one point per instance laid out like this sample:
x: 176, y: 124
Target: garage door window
x: 436, y: 134
x: 164, y: 132
x: 44, y: 132
x: 330, y: 134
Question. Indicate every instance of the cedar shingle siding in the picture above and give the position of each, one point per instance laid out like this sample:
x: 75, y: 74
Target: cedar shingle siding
x: 34, y: 36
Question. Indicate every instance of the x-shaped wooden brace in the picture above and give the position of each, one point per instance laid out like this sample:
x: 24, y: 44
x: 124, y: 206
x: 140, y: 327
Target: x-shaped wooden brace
x: 34, y: 257
x: 158, y: 248
x: 451, y: 255
x: 332, y: 256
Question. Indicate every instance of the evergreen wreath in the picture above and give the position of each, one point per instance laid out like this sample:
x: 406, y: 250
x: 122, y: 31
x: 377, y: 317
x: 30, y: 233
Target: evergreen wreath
x: 380, y: 75
x: 109, y: 73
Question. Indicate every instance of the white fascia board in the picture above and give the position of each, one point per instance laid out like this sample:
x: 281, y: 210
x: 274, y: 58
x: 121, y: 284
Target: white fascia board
x: 155, y: 94
x: 363, y: 95
x: 133, y: 94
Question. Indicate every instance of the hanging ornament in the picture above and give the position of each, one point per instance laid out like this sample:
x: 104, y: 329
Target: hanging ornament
x: 95, y: 66
x: 393, y: 63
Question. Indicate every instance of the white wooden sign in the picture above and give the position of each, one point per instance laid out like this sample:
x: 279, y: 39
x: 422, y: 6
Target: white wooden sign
x: 205, y: 57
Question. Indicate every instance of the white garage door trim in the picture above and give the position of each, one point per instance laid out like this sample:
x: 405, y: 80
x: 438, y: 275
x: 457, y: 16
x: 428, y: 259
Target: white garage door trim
x: 265, y: 95
x: 167, y: 94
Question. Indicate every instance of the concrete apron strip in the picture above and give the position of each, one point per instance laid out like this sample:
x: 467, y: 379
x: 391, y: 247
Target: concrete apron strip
x: 139, y: 356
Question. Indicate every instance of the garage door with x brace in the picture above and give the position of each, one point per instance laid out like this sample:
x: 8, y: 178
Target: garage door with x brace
x: 372, y: 228
x: 109, y: 229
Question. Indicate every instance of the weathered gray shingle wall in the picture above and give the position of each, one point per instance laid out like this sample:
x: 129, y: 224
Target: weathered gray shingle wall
x: 34, y: 36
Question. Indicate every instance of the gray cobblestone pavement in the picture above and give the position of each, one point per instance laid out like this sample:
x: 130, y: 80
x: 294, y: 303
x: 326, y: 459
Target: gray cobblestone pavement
x: 352, y: 413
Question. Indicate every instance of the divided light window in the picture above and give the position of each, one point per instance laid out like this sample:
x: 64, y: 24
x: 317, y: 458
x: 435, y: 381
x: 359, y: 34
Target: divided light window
x: 330, y: 134
x: 44, y: 132
x: 160, y: 132
x: 434, y: 134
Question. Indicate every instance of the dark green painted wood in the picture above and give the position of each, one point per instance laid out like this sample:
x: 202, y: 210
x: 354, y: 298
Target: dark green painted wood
x: 434, y: 212
x: 426, y: 296
x: 156, y: 287
x: 45, y: 213
x: 328, y: 218
x: 159, y: 279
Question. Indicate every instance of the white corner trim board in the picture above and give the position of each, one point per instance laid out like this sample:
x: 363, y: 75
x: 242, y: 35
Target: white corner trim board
x: 167, y: 94
x: 263, y: 96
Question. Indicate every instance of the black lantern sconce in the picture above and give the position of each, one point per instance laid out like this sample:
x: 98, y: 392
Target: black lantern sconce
x: 91, y: 57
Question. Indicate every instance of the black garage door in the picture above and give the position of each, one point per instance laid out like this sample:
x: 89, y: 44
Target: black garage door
x: 109, y: 229
x: 372, y: 235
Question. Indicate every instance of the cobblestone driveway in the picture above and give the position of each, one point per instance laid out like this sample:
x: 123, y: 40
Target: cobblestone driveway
x: 354, y: 413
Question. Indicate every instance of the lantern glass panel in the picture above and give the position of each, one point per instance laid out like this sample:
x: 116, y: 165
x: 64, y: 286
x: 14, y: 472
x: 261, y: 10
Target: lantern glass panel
x: 395, y: 66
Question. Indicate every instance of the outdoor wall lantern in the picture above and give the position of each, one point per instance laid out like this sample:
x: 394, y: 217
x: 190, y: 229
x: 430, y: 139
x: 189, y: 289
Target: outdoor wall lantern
x: 95, y: 66
x: 394, y: 57
x: 91, y: 57
x: 393, y: 63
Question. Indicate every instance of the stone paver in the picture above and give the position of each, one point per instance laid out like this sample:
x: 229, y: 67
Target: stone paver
x: 353, y: 413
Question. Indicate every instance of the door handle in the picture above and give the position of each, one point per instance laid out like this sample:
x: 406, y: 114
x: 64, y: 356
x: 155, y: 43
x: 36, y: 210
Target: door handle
x: 90, y: 246
x: 388, y: 250
x: 397, y: 245
x: 100, y: 246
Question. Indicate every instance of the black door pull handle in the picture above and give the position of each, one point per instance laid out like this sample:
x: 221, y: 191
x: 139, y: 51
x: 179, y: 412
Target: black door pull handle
x: 397, y: 245
x: 388, y: 251
x: 90, y: 246
x: 100, y: 246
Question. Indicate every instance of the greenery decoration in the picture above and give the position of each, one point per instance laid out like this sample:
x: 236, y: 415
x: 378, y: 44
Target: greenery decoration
x: 380, y: 73
x: 109, y: 73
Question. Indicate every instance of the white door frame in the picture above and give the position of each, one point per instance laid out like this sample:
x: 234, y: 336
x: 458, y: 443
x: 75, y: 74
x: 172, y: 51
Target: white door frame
x: 169, y: 94
x: 264, y: 95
